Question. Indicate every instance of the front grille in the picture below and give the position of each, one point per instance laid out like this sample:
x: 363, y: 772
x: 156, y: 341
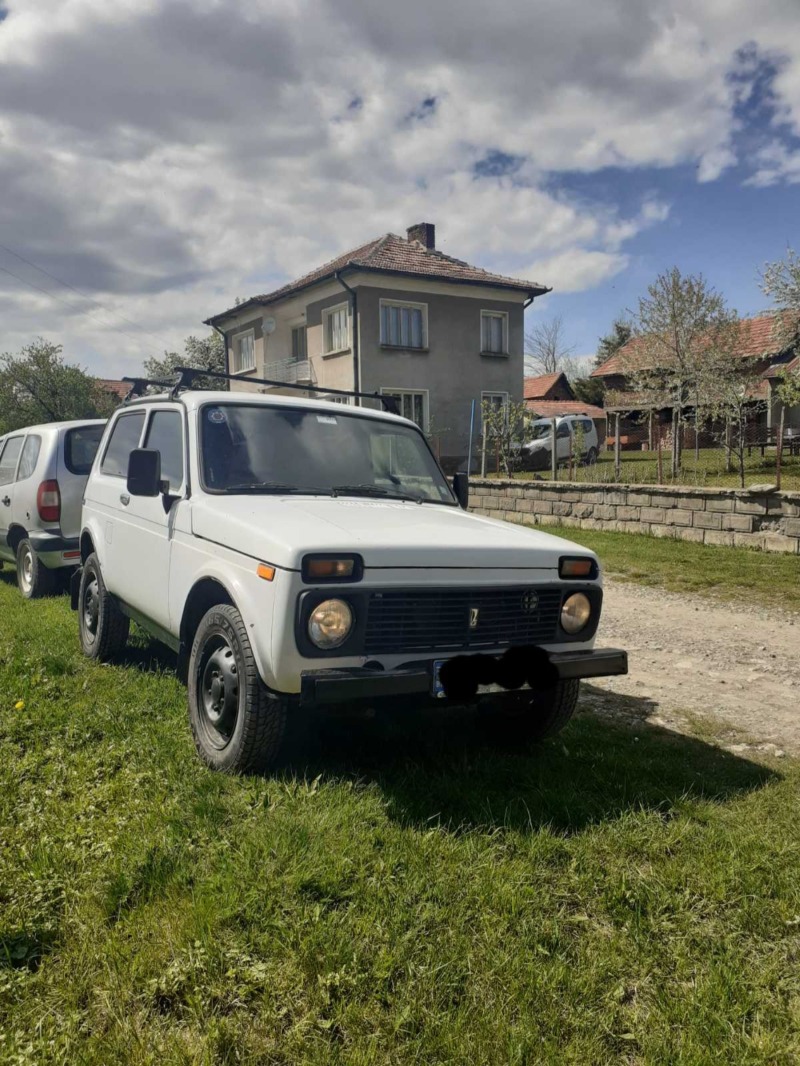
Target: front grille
x: 406, y: 620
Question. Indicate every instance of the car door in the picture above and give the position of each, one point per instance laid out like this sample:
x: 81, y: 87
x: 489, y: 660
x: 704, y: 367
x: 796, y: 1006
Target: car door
x: 9, y: 460
x: 144, y: 530
x: 563, y: 441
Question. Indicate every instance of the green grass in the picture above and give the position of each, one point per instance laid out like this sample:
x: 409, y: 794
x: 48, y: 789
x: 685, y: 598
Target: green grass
x: 414, y: 894
x: 768, y: 579
x: 705, y: 471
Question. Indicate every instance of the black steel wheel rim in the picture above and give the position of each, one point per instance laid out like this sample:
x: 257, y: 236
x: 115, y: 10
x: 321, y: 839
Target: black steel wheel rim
x: 218, y: 691
x: 90, y: 608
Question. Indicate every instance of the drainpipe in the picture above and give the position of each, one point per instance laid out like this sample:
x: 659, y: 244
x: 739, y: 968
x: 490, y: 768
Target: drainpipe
x: 356, y: 360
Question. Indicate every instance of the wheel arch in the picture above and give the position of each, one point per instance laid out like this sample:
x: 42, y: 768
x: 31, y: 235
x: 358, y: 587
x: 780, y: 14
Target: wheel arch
x: 16, y: 533
x: 86, y: 545
x: 206, y: 593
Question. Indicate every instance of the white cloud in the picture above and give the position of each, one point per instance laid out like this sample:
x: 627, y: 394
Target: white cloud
x: 167, y: 156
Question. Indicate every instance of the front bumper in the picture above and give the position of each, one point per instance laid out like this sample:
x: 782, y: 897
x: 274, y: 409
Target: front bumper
x: 414, y: 682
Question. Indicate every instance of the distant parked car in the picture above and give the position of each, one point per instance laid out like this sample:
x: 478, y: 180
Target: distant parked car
x: 43, y: 471
x: 537, y: 449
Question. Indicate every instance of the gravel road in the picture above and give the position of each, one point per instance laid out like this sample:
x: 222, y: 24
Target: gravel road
x: 735, y: 664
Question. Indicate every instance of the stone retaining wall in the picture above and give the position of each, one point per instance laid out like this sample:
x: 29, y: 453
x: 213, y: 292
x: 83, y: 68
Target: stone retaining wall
x: 751, y: 518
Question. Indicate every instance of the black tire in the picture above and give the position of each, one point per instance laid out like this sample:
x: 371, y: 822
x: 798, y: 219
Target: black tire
x: 102, y: 626
x: 33, y: 578
x: 591, y: 457
x: 531, y: 716
x: 238, y: 727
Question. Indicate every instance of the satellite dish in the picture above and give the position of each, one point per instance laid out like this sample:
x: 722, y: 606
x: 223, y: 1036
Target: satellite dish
x: 269, y: 324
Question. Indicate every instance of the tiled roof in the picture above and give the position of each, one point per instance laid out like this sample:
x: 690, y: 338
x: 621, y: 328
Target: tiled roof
x: 556, y: 408
x: 538, y: 388
x: 759, y: 337
x: 395, y: 255
x: 119, y: 388
x: 778, y: 369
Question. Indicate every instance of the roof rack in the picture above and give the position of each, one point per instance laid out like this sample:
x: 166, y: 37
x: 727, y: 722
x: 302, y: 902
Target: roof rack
x: 188, y: 374
x: 140, y: 384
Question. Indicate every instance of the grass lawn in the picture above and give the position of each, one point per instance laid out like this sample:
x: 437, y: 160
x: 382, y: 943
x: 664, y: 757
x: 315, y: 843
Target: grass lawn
x: 708, y: 470
x: 413, y: 895
x: 768, y: 579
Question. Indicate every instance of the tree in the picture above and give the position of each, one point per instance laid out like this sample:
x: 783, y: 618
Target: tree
x: 592, y: 390
x: 546, y: 351
x: 206, y: 353
x: 38, y: 386
x: 504, y: 432
x: 781, y: 281
x: 726, y: 402
x: 681, y: 326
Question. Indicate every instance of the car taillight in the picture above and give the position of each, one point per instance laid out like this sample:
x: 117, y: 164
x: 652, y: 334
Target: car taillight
x: 48, y: 501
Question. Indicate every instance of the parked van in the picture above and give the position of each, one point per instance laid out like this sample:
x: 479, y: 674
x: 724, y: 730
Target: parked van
x: 537, y: 449
x: 43, y: 471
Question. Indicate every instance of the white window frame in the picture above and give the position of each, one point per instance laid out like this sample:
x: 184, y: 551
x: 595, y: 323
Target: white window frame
x: 493, y: 395
x: 424, y: 393
x: 237, y: 337
x: 326, y: 315
x: 503, y: 316
x: 416, y: 305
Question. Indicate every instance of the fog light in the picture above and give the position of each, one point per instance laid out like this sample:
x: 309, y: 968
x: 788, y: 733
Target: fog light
x: 329, y: 624
x: 575, y: 612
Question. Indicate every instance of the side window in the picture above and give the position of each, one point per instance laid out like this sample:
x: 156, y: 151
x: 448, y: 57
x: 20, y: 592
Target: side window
x: 563, y: 430
x: 8, y: 460
x: 30, y: 455
x: 165, y: 435
x: 80, y: 448
x: 588, y: 425
x: 124, y: 438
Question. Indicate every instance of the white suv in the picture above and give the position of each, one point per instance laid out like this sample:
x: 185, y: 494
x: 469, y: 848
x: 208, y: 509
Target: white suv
x: 298, y: 553
x: 573, y: 433
x: 42, y: 473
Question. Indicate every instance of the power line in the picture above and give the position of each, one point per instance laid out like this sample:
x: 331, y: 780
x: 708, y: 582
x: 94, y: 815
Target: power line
x: 85, y: 296
x: 80, y: 311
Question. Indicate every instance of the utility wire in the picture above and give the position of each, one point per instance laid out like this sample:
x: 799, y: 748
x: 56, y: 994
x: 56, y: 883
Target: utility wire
x: 80, y: 311
x: 85, y: 296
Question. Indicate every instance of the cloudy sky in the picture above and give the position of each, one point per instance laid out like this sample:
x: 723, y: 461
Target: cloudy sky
x: 163, y: 157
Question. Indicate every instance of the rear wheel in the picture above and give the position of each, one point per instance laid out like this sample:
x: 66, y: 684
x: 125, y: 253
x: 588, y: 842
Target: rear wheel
x: 531, y: 716
x: 238, y: 726
x: 591, y: 457
x: 102, y: 626
x: 33, y: 577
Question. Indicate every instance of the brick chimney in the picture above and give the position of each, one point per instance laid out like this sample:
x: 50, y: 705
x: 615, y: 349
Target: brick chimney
x: 425, y: 233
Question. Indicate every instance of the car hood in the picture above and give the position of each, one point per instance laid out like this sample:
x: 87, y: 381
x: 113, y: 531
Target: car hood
x: 386, y: 533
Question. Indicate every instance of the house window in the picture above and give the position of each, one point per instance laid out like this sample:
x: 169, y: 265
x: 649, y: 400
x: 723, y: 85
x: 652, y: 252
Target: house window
x: 494, y: 332
x: 299, y: 343
x: 404, y: 325
x: 496, y: 400
x: 410, y: 404
x: 243, y: 356
x: 336, y: 332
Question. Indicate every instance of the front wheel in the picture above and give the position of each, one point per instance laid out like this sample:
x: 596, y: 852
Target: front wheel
x: 238, y: 727
x: 33, y: 577
x: 102, y: 626
x: 531, y: 716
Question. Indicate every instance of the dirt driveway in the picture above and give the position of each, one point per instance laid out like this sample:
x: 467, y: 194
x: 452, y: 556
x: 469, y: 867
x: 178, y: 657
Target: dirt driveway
x: 733, y: 665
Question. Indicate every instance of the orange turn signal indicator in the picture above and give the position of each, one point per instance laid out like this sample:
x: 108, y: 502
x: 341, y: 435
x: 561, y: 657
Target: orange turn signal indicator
x: 577, y: 567
x: 330, y: 568
x: 267, y: 572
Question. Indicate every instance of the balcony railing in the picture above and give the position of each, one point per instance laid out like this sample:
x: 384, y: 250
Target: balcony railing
x: 292, y: 371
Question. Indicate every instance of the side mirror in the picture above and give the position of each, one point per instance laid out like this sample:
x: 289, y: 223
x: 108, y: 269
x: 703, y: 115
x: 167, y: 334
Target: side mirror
x: 144, y: 472
x: 461, y: 488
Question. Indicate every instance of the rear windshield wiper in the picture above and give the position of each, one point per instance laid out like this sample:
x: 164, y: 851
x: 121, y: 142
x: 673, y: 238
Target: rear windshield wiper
x: 372, y: 490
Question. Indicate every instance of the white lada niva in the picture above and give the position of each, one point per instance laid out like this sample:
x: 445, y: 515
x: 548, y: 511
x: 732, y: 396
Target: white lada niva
x: 300, y: 553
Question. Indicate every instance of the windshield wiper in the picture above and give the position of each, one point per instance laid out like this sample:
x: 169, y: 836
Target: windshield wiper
x: 372, y: 490
x: 269, y: 486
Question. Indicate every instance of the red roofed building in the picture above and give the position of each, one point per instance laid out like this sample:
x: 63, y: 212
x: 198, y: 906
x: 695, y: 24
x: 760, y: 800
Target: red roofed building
x: 396, y: 316
x: 551, y: 396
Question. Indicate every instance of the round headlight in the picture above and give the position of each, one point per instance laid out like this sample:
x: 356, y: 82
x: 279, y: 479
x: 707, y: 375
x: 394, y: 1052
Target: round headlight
x: 575, y: 612
x: 330, y: 623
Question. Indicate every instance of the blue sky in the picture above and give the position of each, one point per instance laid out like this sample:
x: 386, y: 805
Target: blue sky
x: 162, y: 157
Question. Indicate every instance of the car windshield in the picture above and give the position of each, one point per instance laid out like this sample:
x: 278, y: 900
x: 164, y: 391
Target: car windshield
x: 253, y: 448
x: 541, y: 429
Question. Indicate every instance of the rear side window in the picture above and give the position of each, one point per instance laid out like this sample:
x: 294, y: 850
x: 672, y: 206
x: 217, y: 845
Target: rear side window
x: 124, y: 438
x: 165, y: 435
x: 80, y: 448
x: 588, y: 425
x: 563, y: 430
x: 30, y: 456
x: 8, y: 460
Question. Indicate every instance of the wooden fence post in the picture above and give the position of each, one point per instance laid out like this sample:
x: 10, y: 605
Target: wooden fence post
x: 553, y: 452
x: 617, y: 461
x: 779, y: 448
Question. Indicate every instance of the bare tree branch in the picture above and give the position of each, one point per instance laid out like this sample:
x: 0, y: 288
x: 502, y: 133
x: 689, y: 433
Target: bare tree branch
x: 546, y: 351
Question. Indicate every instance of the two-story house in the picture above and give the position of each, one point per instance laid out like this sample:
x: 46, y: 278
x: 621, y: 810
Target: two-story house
x: 398, y: 317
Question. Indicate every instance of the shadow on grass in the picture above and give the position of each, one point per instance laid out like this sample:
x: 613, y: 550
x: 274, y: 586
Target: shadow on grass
x: 450, y: 768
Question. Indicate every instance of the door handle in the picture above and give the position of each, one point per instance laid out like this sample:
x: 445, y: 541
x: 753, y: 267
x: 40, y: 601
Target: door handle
x: 124, y: 500
x: 7, y: 501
